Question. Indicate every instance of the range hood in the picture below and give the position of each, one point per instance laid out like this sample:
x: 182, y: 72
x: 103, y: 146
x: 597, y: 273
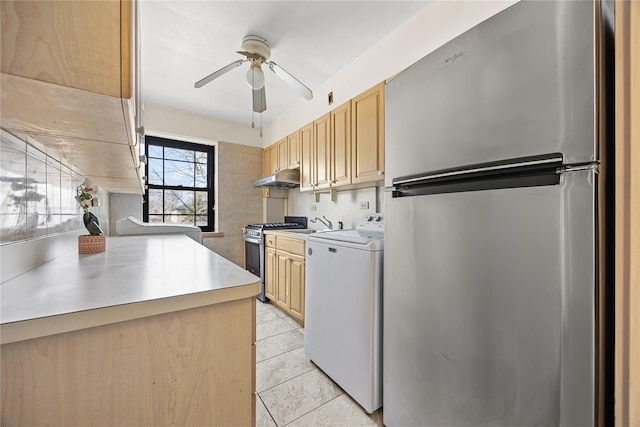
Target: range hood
x: 288, y: 178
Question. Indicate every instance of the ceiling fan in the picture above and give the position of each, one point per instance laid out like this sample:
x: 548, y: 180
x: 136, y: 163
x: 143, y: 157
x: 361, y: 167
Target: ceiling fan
x: 257, y: 52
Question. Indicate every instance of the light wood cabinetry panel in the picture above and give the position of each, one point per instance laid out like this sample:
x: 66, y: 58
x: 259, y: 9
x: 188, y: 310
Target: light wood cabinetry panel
x: 67, y: 82
x: 193, y: 367
x: 282, y: 290
x: 306, y: 157
x: 273, y: 155
x: 284, y: 268
x: 266, y: 161
x: 283, y: 154
x: 341, y: 145
x: 293, y: 146
x: 322, y: 152
x: 69, y: 43
x: 368, y: 136
x: 627, y: 214
x: 270, y: 270
x: 296, y: 279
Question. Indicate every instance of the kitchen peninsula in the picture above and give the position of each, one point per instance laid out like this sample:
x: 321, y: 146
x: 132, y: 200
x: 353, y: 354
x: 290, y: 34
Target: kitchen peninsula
x: 157, y: 330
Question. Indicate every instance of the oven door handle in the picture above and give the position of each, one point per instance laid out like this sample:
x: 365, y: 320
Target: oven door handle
x: 252, y: 239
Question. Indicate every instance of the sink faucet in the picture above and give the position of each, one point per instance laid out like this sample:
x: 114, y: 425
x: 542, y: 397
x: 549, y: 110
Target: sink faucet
x: 327, y: 223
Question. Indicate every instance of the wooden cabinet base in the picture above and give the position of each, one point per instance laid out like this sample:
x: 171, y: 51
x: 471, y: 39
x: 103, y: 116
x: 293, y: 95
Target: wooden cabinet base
x: 191, y: 368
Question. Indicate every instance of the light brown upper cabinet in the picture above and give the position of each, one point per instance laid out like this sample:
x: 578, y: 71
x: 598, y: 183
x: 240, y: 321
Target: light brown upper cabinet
x: 79, y: 44
x: 367, y: 144
x: 293, y: 147
x: 322, y: 152
x: 306, y: 157
x: 283, y: 154
x: 340, y: 164
x: 271, y: 154
x: 266, y: 161
x: 69, y: 82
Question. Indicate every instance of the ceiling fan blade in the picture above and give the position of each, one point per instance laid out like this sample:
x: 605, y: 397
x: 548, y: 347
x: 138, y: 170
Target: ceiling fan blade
x: 290, y: 80
x: 220, y: 72
x: 259, y: 100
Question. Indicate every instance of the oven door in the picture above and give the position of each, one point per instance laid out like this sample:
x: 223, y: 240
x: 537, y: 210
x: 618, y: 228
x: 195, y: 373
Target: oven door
x: 254, y: 261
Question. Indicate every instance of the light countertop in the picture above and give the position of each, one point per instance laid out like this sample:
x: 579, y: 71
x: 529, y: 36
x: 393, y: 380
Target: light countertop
x: 289, y: 234
x: 137, y: 276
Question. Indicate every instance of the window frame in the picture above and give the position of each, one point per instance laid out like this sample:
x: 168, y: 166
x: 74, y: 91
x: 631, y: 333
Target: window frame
x: 181, y: 145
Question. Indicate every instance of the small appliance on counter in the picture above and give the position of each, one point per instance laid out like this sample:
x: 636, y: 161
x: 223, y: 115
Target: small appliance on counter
x: 253, y: 236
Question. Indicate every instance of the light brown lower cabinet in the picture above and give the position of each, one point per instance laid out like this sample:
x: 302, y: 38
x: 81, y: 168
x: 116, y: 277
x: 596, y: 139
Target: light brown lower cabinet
x: 194, y: 367
x: 285, y: 276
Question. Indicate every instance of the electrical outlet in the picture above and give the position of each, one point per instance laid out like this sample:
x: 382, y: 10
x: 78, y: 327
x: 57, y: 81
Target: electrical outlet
x: 313, y: 208
x: 364, y: 205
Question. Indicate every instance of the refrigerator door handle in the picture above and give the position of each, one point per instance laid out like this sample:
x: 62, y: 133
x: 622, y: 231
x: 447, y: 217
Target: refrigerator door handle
x: 576, y: 167
x: 521, y: 172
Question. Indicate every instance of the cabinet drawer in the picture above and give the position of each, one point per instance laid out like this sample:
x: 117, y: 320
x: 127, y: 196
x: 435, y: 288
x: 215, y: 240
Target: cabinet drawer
x: 270, y: 241
x: 290, y: 245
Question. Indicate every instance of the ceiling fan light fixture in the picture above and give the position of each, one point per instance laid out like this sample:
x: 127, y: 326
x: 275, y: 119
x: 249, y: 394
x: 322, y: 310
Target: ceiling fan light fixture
x: 255, y: 77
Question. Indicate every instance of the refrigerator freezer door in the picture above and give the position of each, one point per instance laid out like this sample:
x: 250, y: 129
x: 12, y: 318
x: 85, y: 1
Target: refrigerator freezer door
x: 489, y: 307
x: 519, y: 84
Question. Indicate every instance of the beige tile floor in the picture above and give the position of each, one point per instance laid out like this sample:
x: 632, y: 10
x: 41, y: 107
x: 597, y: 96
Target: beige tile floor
x: 292, y: 391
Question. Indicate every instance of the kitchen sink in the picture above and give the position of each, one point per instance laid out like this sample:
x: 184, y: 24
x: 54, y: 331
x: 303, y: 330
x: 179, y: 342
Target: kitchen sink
x: 304, y: 231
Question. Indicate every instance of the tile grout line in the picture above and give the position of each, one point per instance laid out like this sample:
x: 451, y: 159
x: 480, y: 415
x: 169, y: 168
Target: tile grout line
x: 267, y: 409
x: 279, y: 333
x: 314, y: 409
x: 288, y: 351
x: 299, y: 375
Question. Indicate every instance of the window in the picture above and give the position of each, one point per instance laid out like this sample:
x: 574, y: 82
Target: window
x: 179, y: 183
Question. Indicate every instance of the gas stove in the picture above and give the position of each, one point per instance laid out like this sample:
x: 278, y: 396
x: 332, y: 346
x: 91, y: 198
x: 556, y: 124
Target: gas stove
x: 257, y: 230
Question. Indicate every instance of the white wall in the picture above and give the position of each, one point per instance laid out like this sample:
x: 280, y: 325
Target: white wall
x: 346, y: 208
x: 169, y: 122
x: 438, y: 23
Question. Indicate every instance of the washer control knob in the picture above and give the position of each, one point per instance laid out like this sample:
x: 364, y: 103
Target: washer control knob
x: 378, y: 218
x: 369, y: 218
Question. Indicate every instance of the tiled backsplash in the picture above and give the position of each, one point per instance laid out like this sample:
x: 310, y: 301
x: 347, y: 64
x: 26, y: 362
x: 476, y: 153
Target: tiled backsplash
x: 37, y: 194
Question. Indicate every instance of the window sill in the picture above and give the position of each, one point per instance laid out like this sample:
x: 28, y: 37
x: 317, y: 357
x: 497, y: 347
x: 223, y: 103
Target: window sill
x: 212, y: 234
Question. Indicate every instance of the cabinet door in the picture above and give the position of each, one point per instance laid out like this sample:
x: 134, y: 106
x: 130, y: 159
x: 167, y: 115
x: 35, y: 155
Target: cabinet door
x: 341, y: 145
x: 79, y: 44
x: 367, y: 144
x: 283, y: 154
x: 270, y: 159
x: 293, y: 146
x: 306, y: 158
x: 266, y: 161
x: 322, y: 152
x: 282, y: 290
x: 296, y: 278
x: 270, y: 273
x: 273, y: 151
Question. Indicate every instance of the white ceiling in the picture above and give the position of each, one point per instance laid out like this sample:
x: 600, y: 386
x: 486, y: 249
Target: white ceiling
x: 184, y: 41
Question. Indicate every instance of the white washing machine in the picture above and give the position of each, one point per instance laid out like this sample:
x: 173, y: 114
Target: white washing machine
x: 343, y: 308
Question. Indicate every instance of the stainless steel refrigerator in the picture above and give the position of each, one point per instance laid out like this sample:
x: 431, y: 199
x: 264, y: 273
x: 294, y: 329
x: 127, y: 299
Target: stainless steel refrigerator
x: 494, y: 178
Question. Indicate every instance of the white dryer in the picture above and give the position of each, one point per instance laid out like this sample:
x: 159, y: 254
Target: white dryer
x: 343, y: 308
